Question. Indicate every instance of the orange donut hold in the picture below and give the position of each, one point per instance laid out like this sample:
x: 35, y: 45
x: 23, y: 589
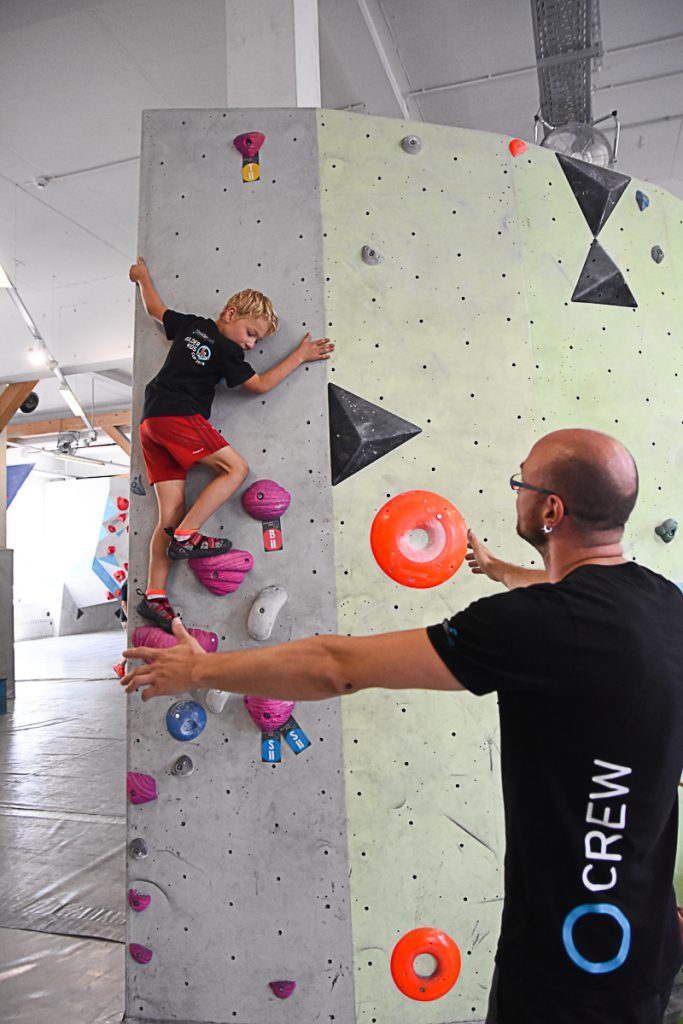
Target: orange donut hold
x: 416, y: 943
x: 395, y: 544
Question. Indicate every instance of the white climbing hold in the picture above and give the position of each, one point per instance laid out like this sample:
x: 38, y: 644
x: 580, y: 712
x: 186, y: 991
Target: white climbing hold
x: 216, y: 700
x: 264, y: 611
x: 411, y: 143
x: 371, y: 256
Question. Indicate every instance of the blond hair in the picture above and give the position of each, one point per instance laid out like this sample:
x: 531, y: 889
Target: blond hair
x: 255, y: 304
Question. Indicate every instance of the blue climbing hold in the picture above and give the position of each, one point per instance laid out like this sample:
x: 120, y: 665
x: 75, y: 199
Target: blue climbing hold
x: 185, y: 720
x: 642, y: 200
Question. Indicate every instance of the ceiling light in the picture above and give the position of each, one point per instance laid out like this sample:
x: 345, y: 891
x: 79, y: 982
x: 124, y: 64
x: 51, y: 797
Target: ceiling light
x: 71, y: 400
x: 4, y: 279
x: 38, y: 356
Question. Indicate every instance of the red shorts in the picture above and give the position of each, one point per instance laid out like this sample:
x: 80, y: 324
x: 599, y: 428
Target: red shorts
x: 171, y: 444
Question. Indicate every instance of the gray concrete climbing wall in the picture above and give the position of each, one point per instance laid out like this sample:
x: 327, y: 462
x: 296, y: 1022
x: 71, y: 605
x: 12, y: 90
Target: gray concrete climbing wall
x: 247, y: 864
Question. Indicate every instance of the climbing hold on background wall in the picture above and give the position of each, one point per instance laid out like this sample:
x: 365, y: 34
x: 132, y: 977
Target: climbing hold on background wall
x: 517, y: 147
x: 371, y: 256
x: 141, y: 788
x: 264, y: 611
x: 266, y: 500
x: 282, y: 989
x: 152, y: 636
x: 137, y: 848
x: 657, y: 253
x: 249, y: 144
x: 596, y: 189
x: 185, y: 720
x: 642, y: 200
x: 411, y: 143
x: 222, y: 574
x: 418, y: 942
x: 361, y: 432
x: 667, y: 530
x: 138, y: 901
x: 409, y: 518
x: 216, y: 700
x: 268, y: 714
x: 183, y: 766
x: 137, y: 486
x: 141, y: 954
x: 601, y: 281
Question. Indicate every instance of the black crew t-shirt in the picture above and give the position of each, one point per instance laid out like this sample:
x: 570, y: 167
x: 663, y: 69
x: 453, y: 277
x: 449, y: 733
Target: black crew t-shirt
x: 589, y: 674
x: 199, y: 358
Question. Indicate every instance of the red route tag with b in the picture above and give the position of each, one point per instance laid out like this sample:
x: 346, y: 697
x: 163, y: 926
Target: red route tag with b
x: 272, y: 535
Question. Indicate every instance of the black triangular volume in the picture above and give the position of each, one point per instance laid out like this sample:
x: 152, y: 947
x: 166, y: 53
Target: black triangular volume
x: 597, y: 189
x: 79, y: 612
x: 602, y: 282
x: 361, y: 433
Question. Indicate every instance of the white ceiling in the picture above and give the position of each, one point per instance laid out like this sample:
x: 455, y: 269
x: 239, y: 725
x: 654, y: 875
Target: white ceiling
x: 75, y: 76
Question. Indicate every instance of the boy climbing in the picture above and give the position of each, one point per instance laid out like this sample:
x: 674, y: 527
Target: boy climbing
x: 175, y: 432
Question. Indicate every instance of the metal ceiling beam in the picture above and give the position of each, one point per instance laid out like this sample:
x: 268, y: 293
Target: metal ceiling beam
x: 119, y: 418
x: 387, y: 51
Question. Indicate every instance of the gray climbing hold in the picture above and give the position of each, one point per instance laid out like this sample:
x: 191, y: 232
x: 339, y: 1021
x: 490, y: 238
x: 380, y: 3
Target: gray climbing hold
x: 183, y: 766
x: 137, y: 486
x: 137, y: 848
x: 657, y: 253
x: 411, y: 143
x: 371, y: 256
x: 216, y: 700
x: 264, y: 611
x: 642, y: 200
x: 667, y: 530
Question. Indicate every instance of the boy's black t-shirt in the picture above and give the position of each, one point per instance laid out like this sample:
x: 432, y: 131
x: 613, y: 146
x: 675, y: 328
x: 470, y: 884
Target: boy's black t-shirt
x: 589, y: 674
x: 198, y: 359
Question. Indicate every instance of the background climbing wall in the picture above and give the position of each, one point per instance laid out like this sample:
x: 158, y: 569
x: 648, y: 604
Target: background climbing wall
x: 247, y: 863
x: 467, y: 329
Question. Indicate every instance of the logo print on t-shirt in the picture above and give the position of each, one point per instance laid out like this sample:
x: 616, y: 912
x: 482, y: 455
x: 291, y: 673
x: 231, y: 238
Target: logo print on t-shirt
x: 200, y: 353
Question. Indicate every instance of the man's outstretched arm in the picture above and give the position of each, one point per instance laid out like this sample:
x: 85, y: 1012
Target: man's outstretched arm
x: 317, y: 668
x: 483, y: 562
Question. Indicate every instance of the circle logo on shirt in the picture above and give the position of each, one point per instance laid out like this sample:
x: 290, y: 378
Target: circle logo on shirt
x: 203, y: 353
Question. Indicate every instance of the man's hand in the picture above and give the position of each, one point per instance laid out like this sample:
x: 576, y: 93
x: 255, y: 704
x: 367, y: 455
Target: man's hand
x: 481, y: 561
x: 139, y: 271
x: 168, y: 670
x: 311, y: 351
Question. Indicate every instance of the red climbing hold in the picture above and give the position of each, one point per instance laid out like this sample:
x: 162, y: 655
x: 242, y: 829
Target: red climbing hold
x: 111, y: 550
x: 249, y: 143
x: 517, y: 147
x: 282, y: 989
x: 122, y: 503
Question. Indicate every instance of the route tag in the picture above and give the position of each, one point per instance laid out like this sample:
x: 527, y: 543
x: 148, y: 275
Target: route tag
x: 295, y: 736
x: 271, y: 748
x: 272, y: 535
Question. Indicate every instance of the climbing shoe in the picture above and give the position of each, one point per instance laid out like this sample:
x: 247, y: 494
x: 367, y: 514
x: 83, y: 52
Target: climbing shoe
x: 196, y: 546
x: 158, y: 612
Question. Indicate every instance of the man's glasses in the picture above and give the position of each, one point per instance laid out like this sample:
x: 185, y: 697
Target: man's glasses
x: 516, y: 484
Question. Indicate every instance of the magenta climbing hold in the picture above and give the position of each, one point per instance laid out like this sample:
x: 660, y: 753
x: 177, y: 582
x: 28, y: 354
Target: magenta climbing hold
x: 138, y: 901
x: 152, y: 636
x: 282, y: 989
x: 268, y: 714
x: 141, y: 954
x: 222, y: 574
x: 141, y: 788
x: 249, y: 143
x: 266, y: 500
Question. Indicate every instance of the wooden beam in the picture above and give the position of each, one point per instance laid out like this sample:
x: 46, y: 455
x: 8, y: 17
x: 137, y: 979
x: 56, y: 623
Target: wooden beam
x: 119, y: 418
x: 117, y: 435
x: 12, y: 397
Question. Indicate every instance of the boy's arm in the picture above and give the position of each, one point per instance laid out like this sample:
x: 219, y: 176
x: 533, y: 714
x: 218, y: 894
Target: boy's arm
x: 483, y: 562
x: 307, y: 351
x: 150, y: 297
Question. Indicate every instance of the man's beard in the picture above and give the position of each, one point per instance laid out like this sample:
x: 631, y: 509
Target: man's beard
x: 533, y: 535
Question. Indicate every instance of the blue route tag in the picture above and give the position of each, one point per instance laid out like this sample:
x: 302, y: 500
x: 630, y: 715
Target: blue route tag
x: 295, y: 736
x: 271, y: 748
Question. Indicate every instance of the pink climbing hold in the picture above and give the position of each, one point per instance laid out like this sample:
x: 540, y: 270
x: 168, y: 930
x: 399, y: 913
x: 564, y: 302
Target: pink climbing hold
x: 141, y: 788
x: 282, y: 989
x: 268, y: 714
x: 152, y: 636
x: 222, y: 574
x: 517, y: 147
x: 249, y: 143
x: 138, y: 901
x: 266, y: 500
x: 141, y: 954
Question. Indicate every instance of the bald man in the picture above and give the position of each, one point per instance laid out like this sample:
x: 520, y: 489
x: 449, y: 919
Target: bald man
x: 586, y: 656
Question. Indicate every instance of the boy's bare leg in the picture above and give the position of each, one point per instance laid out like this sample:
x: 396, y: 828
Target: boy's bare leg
x: 231, y: 470
x: 171, y: 499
